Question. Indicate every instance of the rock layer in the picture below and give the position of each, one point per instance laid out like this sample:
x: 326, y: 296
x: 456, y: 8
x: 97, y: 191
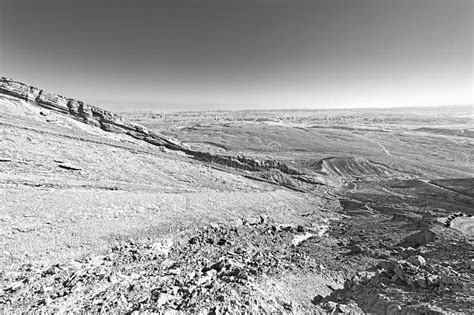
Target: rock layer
x: 86, y: 113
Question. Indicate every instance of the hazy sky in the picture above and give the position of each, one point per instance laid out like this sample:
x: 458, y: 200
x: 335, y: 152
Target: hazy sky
x: 129, y: 55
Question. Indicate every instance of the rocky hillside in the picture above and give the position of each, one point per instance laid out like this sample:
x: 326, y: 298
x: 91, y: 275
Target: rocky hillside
x: 99, y: 214
x: 86, y: 113
x: 267, y: 170
x: 111, y: 122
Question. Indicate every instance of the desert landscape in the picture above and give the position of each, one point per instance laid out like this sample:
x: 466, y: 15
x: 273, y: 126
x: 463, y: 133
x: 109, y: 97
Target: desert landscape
x: 271, y: 211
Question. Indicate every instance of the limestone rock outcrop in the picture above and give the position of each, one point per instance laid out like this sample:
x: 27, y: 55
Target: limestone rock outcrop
x: 86, y: 113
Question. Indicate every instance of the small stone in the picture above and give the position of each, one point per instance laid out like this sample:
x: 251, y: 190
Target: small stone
x: 193, y: 240
x: 394, y: 309
x: 298, y: 239
x: 207, y: 278
x: 394, y: 278
x: 387, y: 265
x: 222, y: 242
x: 357, y: 249
x: 330, y: 305
x: 51, y: 270
x: 162, y: 248
x: 432, y: 280
x: 417, y: 260
x: 97, y: 261
x: 164, y: 299
x: 420, y: 281
x: 448, y: 279
x: 15, y: 286
x: 168, y: 264
x: 218, y: 266
x: 254, y: 221
x: 210, y: 241
x: 211, y: 272
x: 46, y: 301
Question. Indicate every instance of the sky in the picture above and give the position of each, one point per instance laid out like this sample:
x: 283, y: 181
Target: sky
x: 198, y: 55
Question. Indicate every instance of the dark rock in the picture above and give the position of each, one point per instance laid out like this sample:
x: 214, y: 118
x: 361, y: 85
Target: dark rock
x: 222, y: 242
x: 68, y: 166
x: 317, y: 299
x: 420, y: 281
x: 193, y: 240
x: 418, y: 238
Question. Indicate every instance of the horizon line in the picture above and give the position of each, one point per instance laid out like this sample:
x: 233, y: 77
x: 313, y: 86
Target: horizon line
x: 294, y: 109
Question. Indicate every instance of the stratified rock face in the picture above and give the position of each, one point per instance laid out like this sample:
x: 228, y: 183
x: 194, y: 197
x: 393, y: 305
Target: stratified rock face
x: 55, y: 101
x: 19, y: 89
x: 86, y: 113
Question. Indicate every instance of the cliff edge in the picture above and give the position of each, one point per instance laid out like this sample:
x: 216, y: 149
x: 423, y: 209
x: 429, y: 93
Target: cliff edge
x: 86, y: 113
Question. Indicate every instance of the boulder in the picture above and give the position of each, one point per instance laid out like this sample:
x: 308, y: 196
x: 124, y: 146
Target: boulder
x: 74, y: 107
x: 420, y: 281
x: 432, y: 280
x: 419, y: 238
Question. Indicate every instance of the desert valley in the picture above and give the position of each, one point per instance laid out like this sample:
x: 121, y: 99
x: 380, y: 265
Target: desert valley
x: 277, y: 211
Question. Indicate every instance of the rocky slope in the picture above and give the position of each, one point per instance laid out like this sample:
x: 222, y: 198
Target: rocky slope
x: 264, y: 169
x: 85, y: 113
x: 356, y: 168
x: 68, y: 187
x: 101, y: 215
x: 111, y: 122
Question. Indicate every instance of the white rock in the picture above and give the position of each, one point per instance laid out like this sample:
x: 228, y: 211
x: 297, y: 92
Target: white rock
x: 417, y: 260
x: 298, y: 239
